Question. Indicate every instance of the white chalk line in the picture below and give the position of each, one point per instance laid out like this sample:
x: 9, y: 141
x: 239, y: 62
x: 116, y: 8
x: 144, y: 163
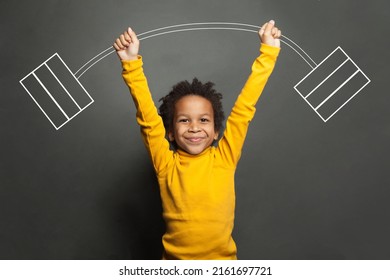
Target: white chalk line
x: 51, y: 96
x: 63, y: 87
x: 337, y: 89
x: 176, y: 29
x: 345, y: 103
x: 68, y: 118
x: 96, y: 56
x: 112, y: 51
x: 348, y: 59
x: 242, y: 27
x: 326, y: 78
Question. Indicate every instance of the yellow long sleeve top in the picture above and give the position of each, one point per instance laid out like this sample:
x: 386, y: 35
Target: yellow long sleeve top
x: 197, y: 191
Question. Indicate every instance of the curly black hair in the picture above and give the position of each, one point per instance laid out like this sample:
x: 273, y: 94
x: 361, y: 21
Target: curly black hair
x: 184, y: 88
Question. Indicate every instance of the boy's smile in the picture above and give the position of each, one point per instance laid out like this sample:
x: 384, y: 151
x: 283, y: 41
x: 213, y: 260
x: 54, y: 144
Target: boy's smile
x: 193, y: 124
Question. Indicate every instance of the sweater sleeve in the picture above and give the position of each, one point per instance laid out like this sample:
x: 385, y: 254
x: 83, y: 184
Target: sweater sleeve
x: 243, y: 111
x: 151, y: 124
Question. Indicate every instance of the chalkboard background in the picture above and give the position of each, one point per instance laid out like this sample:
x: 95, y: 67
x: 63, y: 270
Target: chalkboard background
x: 306, y: 189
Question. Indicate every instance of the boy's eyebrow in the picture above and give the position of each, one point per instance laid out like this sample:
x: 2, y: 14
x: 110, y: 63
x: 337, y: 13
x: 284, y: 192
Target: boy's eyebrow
x: 186, y: 115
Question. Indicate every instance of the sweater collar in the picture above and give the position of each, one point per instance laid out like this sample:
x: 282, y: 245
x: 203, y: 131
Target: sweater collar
x: 185, y: 154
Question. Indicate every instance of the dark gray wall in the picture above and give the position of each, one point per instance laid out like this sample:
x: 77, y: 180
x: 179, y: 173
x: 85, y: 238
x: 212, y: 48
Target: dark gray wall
x: 305, y: 189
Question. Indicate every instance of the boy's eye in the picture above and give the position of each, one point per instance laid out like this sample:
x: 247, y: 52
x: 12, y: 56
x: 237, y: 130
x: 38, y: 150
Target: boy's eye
x: 183, y: 120
x: 204, y: 120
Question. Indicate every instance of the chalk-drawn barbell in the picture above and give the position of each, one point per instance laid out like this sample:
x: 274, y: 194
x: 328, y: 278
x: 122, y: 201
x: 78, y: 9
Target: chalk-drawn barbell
x: 327, y: 88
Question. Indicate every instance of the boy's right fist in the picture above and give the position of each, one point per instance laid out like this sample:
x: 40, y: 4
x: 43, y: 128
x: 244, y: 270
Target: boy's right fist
x: 127, y: 45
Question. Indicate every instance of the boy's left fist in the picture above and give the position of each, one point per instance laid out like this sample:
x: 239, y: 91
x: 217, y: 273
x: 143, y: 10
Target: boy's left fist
x: 269, y: 34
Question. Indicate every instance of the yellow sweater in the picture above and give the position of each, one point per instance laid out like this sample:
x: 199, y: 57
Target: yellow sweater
x: 197, y: 191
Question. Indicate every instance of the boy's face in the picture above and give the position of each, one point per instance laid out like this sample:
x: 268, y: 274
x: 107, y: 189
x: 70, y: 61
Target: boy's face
x: 193, y: 124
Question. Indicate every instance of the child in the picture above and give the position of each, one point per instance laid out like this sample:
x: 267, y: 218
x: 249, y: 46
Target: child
x: 196, y: 178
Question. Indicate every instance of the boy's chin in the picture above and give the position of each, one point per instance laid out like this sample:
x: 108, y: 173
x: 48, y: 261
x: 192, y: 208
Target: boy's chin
x: 193, y: 150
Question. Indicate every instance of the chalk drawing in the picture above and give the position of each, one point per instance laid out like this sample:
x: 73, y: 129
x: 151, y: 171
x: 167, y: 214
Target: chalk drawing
x: 64, y: 72
x: 326, y: 93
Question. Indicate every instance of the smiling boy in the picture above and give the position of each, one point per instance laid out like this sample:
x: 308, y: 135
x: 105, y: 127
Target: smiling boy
x: 193, y: 129
x: 196, y: 178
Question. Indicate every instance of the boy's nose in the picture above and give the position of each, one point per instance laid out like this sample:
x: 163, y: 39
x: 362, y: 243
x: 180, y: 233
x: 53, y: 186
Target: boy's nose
x: 193, y: 127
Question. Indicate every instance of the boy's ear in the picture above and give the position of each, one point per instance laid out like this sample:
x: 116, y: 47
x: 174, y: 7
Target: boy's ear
x: 171, y: 136
x: 216, y: 135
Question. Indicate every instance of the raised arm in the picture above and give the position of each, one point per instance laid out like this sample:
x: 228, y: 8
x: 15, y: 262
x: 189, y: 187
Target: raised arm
x: 243, y: 111
x: 151, y: 124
